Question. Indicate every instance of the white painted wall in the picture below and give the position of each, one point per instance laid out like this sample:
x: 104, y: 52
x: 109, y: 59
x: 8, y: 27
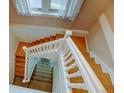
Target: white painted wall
x: 58, y: 78
x: 98, y: 44
x: 105, y: 68
x: 17, y: 89
x: 31, y: 32
x: 55, y: 87
x: 13, y: 42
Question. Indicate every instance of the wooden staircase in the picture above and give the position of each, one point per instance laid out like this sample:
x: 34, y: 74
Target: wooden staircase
x: 80, y: 42
x: 20, y: 54
x: 103, y: 77
x: 42, y: 78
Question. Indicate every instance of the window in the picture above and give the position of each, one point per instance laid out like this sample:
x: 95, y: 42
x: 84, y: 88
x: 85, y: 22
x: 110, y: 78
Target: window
x: 65, y: 9
x: 46, y: 7
x: 35, y: 5
x: 54, y: 5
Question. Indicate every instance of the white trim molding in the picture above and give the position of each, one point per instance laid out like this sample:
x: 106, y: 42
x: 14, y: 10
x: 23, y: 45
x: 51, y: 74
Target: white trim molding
x: 105, y: 68
x: 109, y: 35
x: 86, y: 42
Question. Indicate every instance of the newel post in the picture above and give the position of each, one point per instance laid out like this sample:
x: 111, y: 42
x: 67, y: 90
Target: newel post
x: 68, y: 33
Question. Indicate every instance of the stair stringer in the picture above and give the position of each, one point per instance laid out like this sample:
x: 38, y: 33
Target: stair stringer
x: 105, y: 68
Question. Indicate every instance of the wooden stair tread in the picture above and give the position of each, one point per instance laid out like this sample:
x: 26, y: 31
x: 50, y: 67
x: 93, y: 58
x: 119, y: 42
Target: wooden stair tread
x: 79, y: 91
x: 18, y: 81
x: 73, y: 70
x: 36, y: 42
x: 110, y: 89
x: 46, y: 75
x: 20, y: 59
x: 20, y: 51
x: 21, y: 69
x: 59, y: 36
x: 21, y: 64
x: 40, y: 86
x: 33, y: 43
x: 88, y: 58
x: 42, y: 79
x: 76, y: 80
x: 80, y: 43
x: 43, y: 67
x: 52, y: 38
x: 41, y: 41
x: 96, y: 68
x: 70, y: 63
x: 46, y: 40
x: 105, y: 79
x: 18, y: 73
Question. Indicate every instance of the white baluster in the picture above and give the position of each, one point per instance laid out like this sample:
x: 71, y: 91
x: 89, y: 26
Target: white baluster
x: 67, y: 56
x: 73, y: 75
x: 77, y: 85
x: 65, y: 48
x: 50, y: 47
x: 36, y: 50
x: 71, y: 66
x: 43, y: 48
x: 69, y: 60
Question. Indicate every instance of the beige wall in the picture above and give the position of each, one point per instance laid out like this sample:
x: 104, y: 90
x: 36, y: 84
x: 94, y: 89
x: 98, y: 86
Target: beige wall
x: 36, y: 20
x: 96, y: 38
x: 90, y: 11
x: 97, y: 43
x: 12, y: 48
x: 88, y: 14
x: 110, y: 15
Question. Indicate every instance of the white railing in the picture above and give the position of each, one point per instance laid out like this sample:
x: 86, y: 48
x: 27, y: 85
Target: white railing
x: 68, y: 53
x: 52, y: 46
x: 30, y: 65
x: 89, y: 76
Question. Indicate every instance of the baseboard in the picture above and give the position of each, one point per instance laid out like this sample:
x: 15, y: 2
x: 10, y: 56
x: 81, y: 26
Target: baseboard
x: 105, y: 68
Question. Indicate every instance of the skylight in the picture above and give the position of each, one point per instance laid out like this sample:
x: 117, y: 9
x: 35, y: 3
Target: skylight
x: 64, y: 9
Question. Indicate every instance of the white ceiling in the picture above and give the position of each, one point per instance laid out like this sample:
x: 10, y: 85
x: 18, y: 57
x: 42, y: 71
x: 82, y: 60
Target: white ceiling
x: 30, y: 33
